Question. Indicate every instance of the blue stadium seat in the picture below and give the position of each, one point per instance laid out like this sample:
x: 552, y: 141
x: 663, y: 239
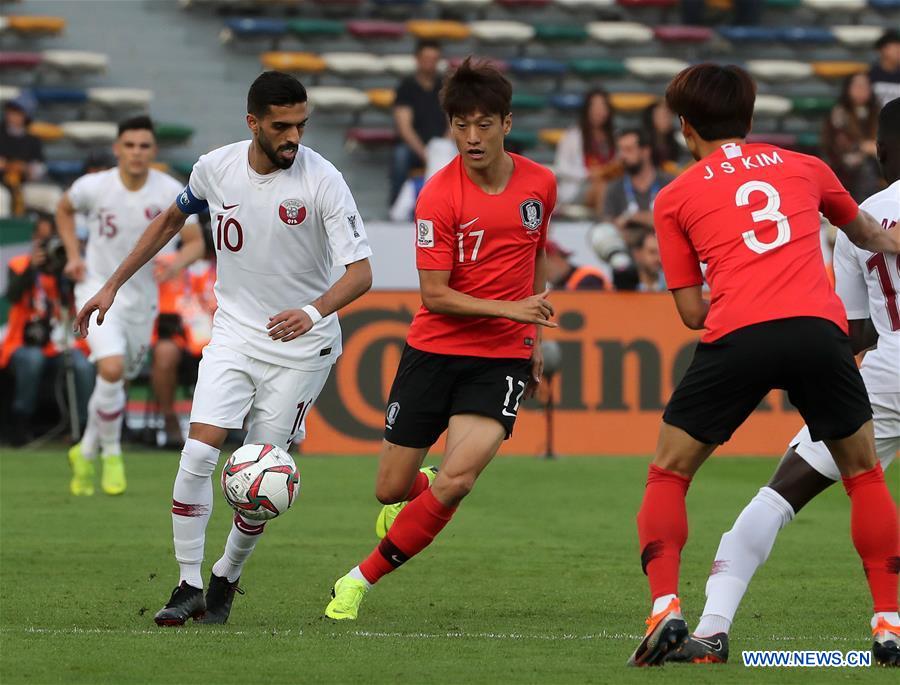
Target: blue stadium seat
x: 407, y: 3
x: 885, y: 4
x: 65, y: 168
x: 530, y: 66
x: 567, y: 102
x: 59, y: 95
x: 806, y: 34
x: 256, y: 27
x: 749, y: 34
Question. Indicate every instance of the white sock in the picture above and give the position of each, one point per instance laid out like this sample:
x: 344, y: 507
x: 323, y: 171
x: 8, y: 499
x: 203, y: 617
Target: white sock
x: 90, y: 441
x: 356, y: 574
x: 192, y: 500
x: 660, y: 603
x: 891, y: 617
x: 741, y: 551
x: 108, y: 412
x: 241, y: 540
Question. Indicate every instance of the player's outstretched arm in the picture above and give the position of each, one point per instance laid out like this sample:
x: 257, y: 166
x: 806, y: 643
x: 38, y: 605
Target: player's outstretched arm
x: 440, y: 298
x: 65, y: 226
x: 692, y: 307
x: 867, y: 233
x: 160, y: 231
x: 292, y: 323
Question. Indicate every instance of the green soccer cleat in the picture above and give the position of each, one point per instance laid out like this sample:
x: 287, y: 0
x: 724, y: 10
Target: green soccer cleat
x: 348, y: 594
x: 82, y: 482
x: 390, y: 511
x: 112, y: 479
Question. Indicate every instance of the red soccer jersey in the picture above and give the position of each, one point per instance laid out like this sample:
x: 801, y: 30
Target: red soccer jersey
x: 488, y: 243
x: 751, y: 214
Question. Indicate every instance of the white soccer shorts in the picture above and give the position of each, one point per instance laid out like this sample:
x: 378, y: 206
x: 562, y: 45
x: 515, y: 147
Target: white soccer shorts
x: 119, y: 337
x: 276, y: 399
x: 886, y: 416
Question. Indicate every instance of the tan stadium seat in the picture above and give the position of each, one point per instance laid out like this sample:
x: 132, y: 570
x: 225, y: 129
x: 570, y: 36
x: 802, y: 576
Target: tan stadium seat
x: 772, y: 105
x: 619, y: 32
x: 838, y: 69
x: 501, y: 31
x: 120, y: 97
x: 46, y: 131
x: 41, y: 197
x: 162, y: 166
x: 632, y: 102
x: 349, y: 63
x: 36, y: 25
x: 779, y: 69
x: 438, y: 30
x: 300, y: 62
x: 655, y: 67
x: 4, y: 24
x: 856, y: 36
x: 382, y: 98
x: 88, y: 132
x: 339, y: 98
x: 835, y: 5
x: 76, y: 60
x: 463, y: 4
x: 9, y: 93
x: 401, y: 65
x: 551, y: 136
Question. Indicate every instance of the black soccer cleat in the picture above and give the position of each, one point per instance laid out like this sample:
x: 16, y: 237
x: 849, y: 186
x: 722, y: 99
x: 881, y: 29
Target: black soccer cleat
x: 712, y: 649
x: 186, y: 602
x: 886, y: 647
x: 219, y: 597
x: 666, y: 631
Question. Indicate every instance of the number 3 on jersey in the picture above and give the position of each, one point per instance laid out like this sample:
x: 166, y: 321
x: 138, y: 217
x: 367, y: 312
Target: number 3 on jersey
x: 768, y: 213
x: 230, y: 233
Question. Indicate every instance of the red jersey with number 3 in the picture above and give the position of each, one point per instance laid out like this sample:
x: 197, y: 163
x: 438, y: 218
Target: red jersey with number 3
x: 750, y: 213
x: 488, y: 243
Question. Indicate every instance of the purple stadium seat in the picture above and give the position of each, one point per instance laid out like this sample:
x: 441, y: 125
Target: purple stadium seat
x: 371, y: 136
x: 20, y: 60
x: 682, y: 34
x: 369, y: 30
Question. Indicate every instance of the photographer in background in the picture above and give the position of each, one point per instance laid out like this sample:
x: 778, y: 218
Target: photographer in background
x: 636, y: 267
x: 34, y: 337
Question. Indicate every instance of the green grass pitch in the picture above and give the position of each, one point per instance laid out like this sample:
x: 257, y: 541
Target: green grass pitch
x: 537, y: 580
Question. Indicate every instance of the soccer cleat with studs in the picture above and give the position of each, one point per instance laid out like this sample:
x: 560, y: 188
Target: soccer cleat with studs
x: 666, y: 631
x: 186, y: 602
x: 886, y: 647
x: 712, y: 649
x: 219, y: 596
x: 348, y: 594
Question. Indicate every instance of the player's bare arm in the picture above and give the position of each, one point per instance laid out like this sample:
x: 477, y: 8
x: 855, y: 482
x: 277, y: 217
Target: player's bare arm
x: 160, y: 231
x: 192, y: 249
x: 292, y: 323
x: 438, y: 297
x: 65, y: 226
x: 692, y: 306
x: 537, y: 354
x: 866, y: 232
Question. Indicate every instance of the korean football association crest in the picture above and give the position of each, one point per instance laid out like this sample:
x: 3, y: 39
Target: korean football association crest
x: 292, y: 212
x: 532, y: 213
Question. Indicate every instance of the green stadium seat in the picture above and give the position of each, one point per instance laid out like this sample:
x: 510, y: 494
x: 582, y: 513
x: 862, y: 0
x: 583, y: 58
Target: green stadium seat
x: 501, y: 31
x: 772, y: 105
x: 315, y: 28
x: 294, y: 62
x: 528, y: 101
x: 779, y: 70
x: 522, y: 140
x: 182, y: 168
x: 812, y: 106
x: 655, y: 67
x: 353, y: 63
x: 783, y: 4
x: 76, y: 60
x: 35, y: 25
x: 857, y: 36
x: 838, y: 70
x: 120, y: 97
x: 90, y: 132
x: 425, y: 29
x: 809, y: 139
x: 167, y: 133
x: 20, y: 60
x: 568, y: 33
x: 616, y: 32
x: 337, y: 98
x: 598, y: 66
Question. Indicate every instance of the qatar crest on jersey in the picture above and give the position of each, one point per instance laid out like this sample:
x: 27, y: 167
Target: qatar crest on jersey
x: 292, y: 212
x: 532, y: 213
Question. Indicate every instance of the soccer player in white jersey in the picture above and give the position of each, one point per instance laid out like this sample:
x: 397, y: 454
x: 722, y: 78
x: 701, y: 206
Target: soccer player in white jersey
x: 869, y: 286
x: 281, y: 216
x: 119, y: 203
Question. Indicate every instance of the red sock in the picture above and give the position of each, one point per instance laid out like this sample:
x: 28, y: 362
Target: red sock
x: 662, y: 529
x: 419, y: 486
x: 876, y: 536
x: 412, y: 531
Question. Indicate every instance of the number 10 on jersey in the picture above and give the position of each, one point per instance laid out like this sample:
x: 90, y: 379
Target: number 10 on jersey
x: 229, y: 233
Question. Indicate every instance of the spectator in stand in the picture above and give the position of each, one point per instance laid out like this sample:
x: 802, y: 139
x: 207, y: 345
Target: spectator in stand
x: 629, y: 200
x: 885, y: 73
x: 35, y: 335
x: 849, y: 137
x: 562, y: 274
x: 659, y: 125
x: 585, y: 156
x: 418, y: 115
x: 647, y: 276
x: 21, y: 154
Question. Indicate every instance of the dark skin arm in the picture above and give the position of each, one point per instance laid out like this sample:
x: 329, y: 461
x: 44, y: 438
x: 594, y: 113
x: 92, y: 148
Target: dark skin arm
x: 862, y: 335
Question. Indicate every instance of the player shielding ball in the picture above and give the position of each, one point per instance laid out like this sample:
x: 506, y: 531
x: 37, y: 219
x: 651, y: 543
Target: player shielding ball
x: 473, y: 349
x: 120, y: 203
x: 750, y: 212
x: 868, y: 284
x: 281, y: 216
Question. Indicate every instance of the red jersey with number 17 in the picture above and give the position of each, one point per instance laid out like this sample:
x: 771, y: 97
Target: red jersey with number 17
x: 751, y: 213
x: 488, y: 243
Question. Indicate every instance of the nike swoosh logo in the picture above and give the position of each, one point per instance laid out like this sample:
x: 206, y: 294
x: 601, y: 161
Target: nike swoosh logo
x: 715, y: 646
x: 506, y: 413
x: 466, y: 225
x: 230, y: 206
x: 395, y: 559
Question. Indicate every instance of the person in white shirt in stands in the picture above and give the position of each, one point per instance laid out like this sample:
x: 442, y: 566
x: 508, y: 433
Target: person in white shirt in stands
x: 281, y: 216
x: 118, y: 204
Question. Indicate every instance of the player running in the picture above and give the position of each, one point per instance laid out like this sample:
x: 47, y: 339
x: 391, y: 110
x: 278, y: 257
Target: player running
x: 868, y: 284
x: 120, y: 203
x: 473, y: 349
x: 281, y: 216
x: 750, y: 212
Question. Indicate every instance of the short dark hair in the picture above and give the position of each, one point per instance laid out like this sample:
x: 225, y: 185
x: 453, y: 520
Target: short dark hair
x: 273, y: 88
x: 642, y: 137
x: 889, y: 123
x: 642, y: 234
x: 425, y: 43
x: 476, y: 87
x: 716, y: 100
x: 138, y: 123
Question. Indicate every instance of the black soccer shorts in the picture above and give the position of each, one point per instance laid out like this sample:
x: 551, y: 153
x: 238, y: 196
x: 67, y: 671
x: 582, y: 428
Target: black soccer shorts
x: 809, y: 357
x: 430, y: 388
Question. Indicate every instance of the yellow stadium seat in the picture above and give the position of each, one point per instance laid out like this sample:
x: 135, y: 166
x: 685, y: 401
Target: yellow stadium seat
x: 438, y: 30
x: 838, y: 69
x: 24, y: 24
x: 162, y: 166
x: 45, y: 131
x: 383, y: 98
x: 305, y: 62
x: 632, y: 102
x: 551, y: 136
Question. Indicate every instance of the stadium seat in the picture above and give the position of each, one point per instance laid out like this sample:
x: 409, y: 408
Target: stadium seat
x: 586, y: 4
x: 76, y: 60
x: 598, y: 66
x: 371, y: 137
x: 499, y: 64
x: 809, y: 139
x: 522, y: 140
x: 65, y: 168
x: 568, y: 33
x: 838, y: 69
x: 373, y: 30
x: 655, y: 67
x: 856, y: 36
x: 401, y: 65
x: 41, y: 197
x: 9, y: 93
x: 632, y: 102
x: 665, y: 4
x: 20, y: 60
x: 787, y: 140
x: 836, y: 5
x: 619, y: 32
x: 353, y: 63
x: 531, y: 66
x: 4, y: 24
x: 120, y: 97
x: 35, y: 26
x: 340, y: 98
x: 90, y: 132
x: 182, y: 168
x: 551, y: 136
x: 806, y: 34
x: 295, y: 62
x: 502, y: 31
x: 253, y: 27
x: 463, y: 4
x: 783, y: 4
x: 567, y: 102
x: 772, y: 105
x: 524, y: 4
x: 886, y: 5
x: 779, y: 70
x: 749, y: 34
x: 382, y: 98
x: 399, y: 3
x: 59, y: 95
x: 527, y: 101
x: 682, y: 34
x: 167, y: 133
x: 315, y: 28
x: 812, y: 106
x: 438, y: 30
x: 46, y: 131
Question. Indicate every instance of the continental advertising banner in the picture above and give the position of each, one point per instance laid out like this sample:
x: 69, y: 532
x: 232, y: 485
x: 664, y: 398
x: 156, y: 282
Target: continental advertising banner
x: 622, y: 354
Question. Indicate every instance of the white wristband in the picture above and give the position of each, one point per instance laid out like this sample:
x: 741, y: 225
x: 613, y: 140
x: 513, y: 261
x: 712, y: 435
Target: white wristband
x: 313, y: 314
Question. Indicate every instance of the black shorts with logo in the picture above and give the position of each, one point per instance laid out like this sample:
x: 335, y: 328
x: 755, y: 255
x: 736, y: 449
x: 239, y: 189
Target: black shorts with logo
x: 430, y: 388
x: 809, y: 357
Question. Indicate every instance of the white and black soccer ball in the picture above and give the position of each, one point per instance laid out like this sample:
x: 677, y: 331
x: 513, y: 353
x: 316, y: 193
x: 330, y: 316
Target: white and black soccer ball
x: 260, y: 482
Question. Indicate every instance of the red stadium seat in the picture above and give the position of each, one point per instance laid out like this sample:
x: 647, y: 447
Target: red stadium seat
x: 370, y: 30
x: 371, y: 137
x: 20, y: 60
x: 648, y: 3
x: 682, y: 34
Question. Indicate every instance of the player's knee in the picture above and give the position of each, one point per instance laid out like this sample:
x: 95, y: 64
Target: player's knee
x: 166, y: 354
x: 111, y: 369
x: 391, y: 491
x: 200, y: 463
x: 453, y: 487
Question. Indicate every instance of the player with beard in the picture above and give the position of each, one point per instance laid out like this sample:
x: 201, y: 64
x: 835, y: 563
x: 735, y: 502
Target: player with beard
x: 281, y: 216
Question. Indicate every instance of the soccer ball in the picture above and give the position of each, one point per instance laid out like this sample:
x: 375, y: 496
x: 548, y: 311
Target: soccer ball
x: 260, y: 481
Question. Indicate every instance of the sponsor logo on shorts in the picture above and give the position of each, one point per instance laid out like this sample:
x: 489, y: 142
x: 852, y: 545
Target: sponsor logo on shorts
x: 292, y: 212
x: 392, y: 411
x: 532, y: 213
x: 424, y: 233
